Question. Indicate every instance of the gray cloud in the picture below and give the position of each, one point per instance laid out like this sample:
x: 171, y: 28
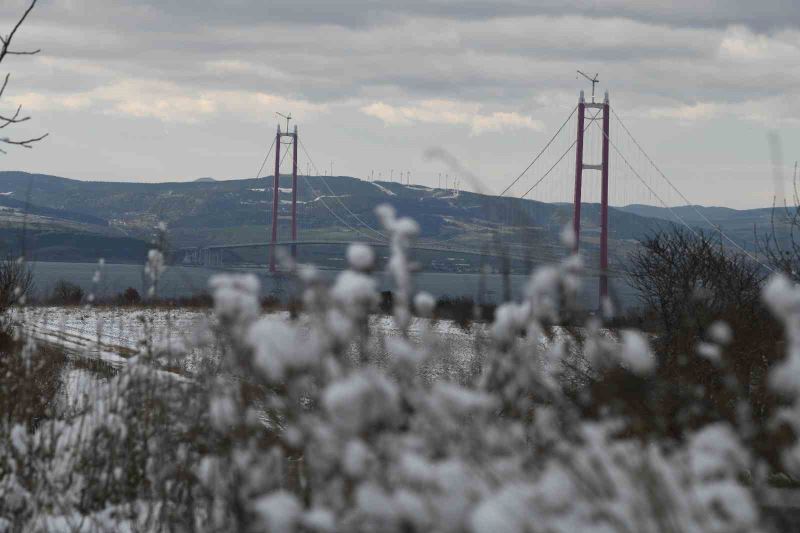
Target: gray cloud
x: 411, y: 48
x: 766, y: 15
x: 468, y: 67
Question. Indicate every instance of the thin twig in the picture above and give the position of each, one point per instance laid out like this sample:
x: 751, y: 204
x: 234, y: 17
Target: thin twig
x: 6, y: 121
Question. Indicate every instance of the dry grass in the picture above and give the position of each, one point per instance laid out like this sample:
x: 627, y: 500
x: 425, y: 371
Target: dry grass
x: 30, y: 379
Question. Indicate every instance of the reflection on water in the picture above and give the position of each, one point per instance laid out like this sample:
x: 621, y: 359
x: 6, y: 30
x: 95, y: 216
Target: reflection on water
x: 181, y: 281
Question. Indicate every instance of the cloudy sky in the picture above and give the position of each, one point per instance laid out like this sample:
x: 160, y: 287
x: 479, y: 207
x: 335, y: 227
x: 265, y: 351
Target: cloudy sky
x: 165, y: 90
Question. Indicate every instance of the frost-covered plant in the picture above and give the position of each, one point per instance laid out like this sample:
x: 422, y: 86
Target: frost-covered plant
x: 358, y: 446
x: 302, y: 427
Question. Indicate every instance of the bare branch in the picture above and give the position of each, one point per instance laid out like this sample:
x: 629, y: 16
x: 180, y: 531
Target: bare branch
x: 14, y: 119
x: 5, y: 84
x: 26, y: 143
x: 781, y: 246
x: 6, y: 121
x: 7, y: 40
x: 20, y: 53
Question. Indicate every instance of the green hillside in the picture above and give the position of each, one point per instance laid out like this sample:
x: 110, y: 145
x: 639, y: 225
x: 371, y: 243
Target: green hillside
x: 206, y: 212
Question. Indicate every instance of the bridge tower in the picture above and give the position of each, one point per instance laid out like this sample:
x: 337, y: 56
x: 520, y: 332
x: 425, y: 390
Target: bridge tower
x: 580, y: 166
x: 276, y: 192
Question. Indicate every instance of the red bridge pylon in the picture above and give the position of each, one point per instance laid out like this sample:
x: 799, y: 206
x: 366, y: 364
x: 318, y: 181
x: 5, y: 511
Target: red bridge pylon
x: 580, y: 166
x: 276, y: 193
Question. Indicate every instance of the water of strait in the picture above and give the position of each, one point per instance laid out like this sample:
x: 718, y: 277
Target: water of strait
x: 182, y: 281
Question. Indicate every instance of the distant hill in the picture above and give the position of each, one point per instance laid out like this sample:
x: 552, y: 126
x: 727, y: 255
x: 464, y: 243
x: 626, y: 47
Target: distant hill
x: 744, y: 226
x: 7, y: 203
x: 695, y: 213
x: 208, y: 211
x: 73, y: 246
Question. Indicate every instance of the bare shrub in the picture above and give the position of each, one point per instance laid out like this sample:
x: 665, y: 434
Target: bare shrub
x: 696, y: 289
x: 130, y: 296
x: 463, y: 311
x: 16, y: 281
x: 66, y: 293
x: 684, y: 277
x: 29, y: 381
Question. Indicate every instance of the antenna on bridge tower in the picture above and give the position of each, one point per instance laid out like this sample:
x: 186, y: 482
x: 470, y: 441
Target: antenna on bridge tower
x: 287, y: 117
x: 594, y: 81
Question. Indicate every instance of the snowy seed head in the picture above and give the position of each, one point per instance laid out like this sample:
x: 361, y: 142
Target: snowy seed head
x: 544, y: 292
x: 386, y: 213
x: 720, y: 332
x: 709, y: 351
x: 356, y: 458
x: 320, y: 520
x: 355, y: 291
x: 279, y: 511
x: 568, y: 236
x: 635, y: 353
x: 509, y: 319
x: 424, y: 303
x: 236, y: 297
x: 406, y: 227
x: 784, y: 377
x: 608, y: 308
x: 155, y: 264
x: 222, y: 412
x: 782, y: 296
x: 360, y: 401
x: 308, y: 273
x: 360, y: 256
x: 278, y: 349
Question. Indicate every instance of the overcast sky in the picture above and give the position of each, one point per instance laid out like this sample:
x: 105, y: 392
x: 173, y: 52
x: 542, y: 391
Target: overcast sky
x: 174, y: 90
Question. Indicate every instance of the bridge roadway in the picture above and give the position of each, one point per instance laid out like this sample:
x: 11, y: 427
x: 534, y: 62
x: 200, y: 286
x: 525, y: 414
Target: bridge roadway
x: 424, y: 247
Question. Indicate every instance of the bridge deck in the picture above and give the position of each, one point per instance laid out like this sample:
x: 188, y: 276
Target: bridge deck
x: 442, y: 249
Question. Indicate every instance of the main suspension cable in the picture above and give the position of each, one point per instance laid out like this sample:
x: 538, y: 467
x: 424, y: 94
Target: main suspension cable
x: 546, y: 146
x: 258, y: 174
x: 333, y: 195
x: 591, y: 120
x: 694, y: 207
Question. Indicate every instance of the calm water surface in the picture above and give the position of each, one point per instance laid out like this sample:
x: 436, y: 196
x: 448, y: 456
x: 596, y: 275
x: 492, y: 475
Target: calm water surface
x: 182, y: 281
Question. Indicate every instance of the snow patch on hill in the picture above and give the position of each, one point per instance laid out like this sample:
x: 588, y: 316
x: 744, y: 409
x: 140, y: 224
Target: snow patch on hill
x: 384, y: 189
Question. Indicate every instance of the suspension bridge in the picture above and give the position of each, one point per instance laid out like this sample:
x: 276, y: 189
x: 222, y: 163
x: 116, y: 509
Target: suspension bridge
x: 592, y: 159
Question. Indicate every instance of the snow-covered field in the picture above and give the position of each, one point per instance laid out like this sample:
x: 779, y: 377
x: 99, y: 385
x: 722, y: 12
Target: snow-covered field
x: 109, y: 333
x: 114, y: 334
